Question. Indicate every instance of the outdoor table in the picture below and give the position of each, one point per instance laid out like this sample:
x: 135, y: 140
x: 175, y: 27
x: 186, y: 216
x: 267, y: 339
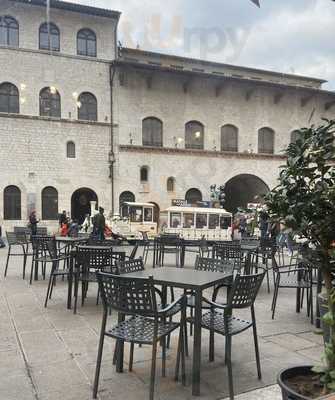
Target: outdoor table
x: 188, y: 279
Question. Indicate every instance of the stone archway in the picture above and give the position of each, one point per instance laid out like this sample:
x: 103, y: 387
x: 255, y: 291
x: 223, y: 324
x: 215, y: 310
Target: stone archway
x: 243, y: 189
x: 80, y: 203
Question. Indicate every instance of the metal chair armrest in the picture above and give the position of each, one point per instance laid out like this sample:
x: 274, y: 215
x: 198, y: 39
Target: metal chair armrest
x: 181, y: 301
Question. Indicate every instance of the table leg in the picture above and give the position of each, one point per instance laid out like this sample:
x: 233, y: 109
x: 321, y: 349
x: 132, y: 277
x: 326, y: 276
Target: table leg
x: 69, y: 282
x: 197, y: 344
x: 36, y: 270
x: 120, y: 349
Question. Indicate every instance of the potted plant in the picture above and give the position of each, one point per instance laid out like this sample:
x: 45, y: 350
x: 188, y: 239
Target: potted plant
x: 304, y: 201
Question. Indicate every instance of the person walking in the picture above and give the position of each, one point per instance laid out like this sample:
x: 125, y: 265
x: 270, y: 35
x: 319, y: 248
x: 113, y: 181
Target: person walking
x: 264, y: 224
x: 33, y: 221
x: 99, y: 224
x: 62, y: 218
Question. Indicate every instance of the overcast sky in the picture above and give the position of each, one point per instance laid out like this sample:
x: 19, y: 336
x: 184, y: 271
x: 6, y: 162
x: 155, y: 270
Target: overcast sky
x: 293, y: 36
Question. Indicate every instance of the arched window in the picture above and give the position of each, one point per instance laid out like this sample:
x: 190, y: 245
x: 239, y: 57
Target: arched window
x: 144, y: 174
x: 49, y: 203
x: 12, y: 203
x: 192, y: 196
x: 86, y: 43
x: 229, y: 138
x: 152, y: 132
x: 9, y: 98
x: 9, y: 31
x: 70, y: 150
x: 170, y: 184
x: 194, y: 135
x: 125, y: 196
x: 50, y: 103
x: 266, y: 138
x: 49, y: 37
x: 87, y: 107
x: 295, y: 135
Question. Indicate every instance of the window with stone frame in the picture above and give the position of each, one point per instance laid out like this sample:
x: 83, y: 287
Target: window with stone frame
x: 12, y: 203
x: 170, y: 184
x: 70, y: 150
x: 9, y: 98
x: 49, y: 203
x: 9, y: 31
x: 229, y: 138
x: 152, y: 132
x: 266, y: 138
x: 86, y: 43
x: 49, y: 37
x: 194, y: 135
x: 193, y: 195
x: 144, y: 174
x: 50, y: 103
x: 87, y: 107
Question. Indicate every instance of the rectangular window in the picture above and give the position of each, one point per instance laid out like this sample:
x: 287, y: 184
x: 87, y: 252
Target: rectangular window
x: 214, y: 221
x: 188, y: 220
x: 225, y: 222
x: 136, y: 214
x: 175, y: 220
x: 148, y: 215
x: 201, y: 221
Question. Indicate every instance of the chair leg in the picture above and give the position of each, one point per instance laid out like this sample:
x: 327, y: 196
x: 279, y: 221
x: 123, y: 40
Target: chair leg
x: 76, y: 284
x: 153, y: 370
x: 259, y: 372
x: 164, y: 357
x: 268, y: 280
x: 7, y: 261
x: 211, y: 345
x: 49, y: 290
x: 131, y: 356
x: 100, y: 349
x: 230, y: 370
x: 32, y: 271
x: 274, y: 301
x: 52, y: 286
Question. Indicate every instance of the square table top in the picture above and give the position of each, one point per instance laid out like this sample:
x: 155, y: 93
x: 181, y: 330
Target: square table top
x: 182, y: 277
x: 69, y: 239
x: 93, y: 247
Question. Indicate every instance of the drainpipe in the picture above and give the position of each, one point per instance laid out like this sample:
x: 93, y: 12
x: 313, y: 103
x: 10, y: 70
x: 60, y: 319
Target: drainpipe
x: 112, y: 71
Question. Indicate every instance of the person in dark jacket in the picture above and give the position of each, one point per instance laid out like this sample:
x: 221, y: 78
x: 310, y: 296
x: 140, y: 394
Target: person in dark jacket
x: 99, y: 224
x: 62, y: 218
x: 33, y: 221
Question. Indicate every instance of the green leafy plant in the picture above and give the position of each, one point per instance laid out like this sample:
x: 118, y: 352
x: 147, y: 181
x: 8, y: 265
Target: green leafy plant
x: 304, y: 201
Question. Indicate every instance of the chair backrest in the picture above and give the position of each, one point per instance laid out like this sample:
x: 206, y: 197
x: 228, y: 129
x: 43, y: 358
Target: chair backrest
x: 97, y: 258
x: 52, y: 249
x: 11, y: 238
x: 169, y: 240
x: 39, y: 242
x: 213, y: 265
x: 134, y: 296
x: 125, y: 267
x: 95, y: 242
x: 21, y: 229
x: 227, y: 251
x: 244, y: 290
x: 42, y: 230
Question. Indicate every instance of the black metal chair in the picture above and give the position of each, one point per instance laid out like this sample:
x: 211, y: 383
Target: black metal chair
x: 220, y: 319
x: 168, y: 244
x: 40, y: 254
x: 140, y: 321
x: 229, y: 252
x: 88, y: 260
x: 298, y: 277
x: 20, y: 243
x: 148, y: 246
x: 55, y: 257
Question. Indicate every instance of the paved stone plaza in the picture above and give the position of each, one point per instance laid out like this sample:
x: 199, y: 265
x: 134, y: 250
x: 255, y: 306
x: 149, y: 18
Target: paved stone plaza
x: 50, y: 354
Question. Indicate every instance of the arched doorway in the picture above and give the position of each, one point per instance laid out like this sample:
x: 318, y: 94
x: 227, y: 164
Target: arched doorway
x: 80, y: 203
x: 193, y: 195
x: 244, y: 189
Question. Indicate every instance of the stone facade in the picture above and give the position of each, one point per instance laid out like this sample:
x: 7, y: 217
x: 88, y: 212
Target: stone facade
x: 109, y: 152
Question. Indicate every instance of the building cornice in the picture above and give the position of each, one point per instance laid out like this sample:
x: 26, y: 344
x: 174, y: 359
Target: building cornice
x: 56, y: 54
x: 73, y: 7
x: 199, y: 153
x: 51, y: 119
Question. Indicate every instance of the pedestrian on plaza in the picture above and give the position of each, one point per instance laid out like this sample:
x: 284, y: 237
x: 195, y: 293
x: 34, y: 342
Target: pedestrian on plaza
x: 73, y: 228
x: 264, y: 224
x: 87, y: 223
x: 99, y: 224
x: 243, y: 226
x: 33, y: 221
x: 62, y: 218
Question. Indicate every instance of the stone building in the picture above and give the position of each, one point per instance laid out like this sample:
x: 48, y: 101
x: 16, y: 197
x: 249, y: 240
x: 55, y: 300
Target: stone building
x: 82, y: 120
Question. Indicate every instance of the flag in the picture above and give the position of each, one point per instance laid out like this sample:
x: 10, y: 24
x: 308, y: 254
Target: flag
x: 256, y: 2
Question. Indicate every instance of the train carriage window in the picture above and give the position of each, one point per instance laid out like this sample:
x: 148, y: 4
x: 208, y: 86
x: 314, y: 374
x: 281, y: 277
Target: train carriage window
x: 201, y: 221
x: 188, y: 220
x: 136, y: 214
x: 214, y: 221
x: 225, y: 222
x: 148, y: 215
x: 175, y: 220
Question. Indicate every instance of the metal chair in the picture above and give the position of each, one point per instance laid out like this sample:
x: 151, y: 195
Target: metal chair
x: 18, y: 242
x: 55, y: 257
x: 140, y: 321
x: 40, y: 254
x: 88, y: 260
x: 229, y: 251
x: 148, y: 246
x: 298, y: 278
x: 220, y: 319
x: 168, y: 244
